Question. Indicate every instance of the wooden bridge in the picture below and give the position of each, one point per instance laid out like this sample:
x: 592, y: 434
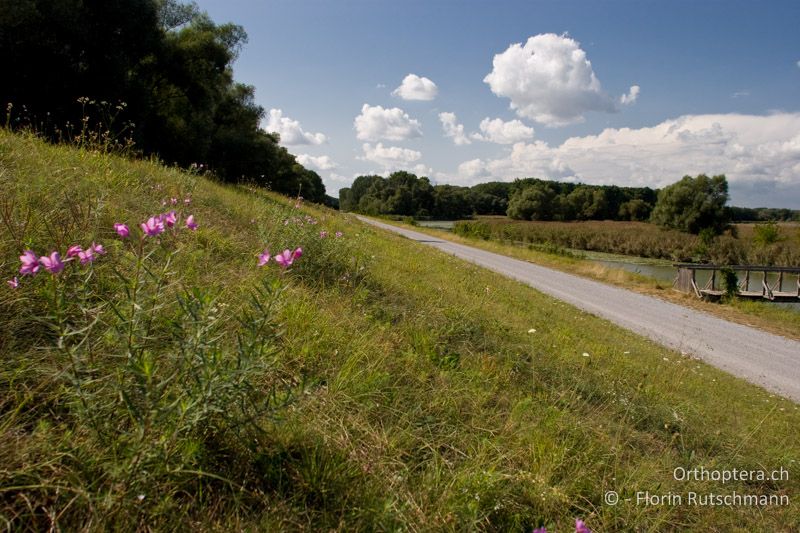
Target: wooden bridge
x: 783, y: 287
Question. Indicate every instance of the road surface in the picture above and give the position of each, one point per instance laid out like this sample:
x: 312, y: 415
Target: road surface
x: 762, y: 358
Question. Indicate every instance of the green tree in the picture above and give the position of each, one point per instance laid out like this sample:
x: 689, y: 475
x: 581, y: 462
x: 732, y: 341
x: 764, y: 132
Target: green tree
x: 451, y: 202
x: 635, y: 209
x: 693, y: 204
x: 588, y: 203
x: 532, y: 203
x: 167, y: 60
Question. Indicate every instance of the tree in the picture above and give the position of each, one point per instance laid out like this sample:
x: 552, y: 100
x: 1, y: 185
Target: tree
x: 532, y: 203
x: 693, y: 204
x: 636, y: 209
x: 588, y: 203
x: 451, y: 202
x: 54, y: 52
x: 167, y: 61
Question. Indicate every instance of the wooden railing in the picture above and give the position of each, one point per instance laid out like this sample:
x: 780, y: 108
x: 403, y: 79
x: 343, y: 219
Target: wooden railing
x: 686, y: 281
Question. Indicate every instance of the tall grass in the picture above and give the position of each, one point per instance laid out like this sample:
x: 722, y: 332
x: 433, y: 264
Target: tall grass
x: 645, y: 240
x: 174, y: 384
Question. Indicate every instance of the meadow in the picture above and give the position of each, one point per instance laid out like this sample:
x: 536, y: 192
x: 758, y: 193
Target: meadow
x: 174, y: 374
x: 752, y: 244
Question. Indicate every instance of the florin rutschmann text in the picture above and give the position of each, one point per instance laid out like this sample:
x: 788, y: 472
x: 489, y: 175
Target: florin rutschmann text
x: 710, y: 498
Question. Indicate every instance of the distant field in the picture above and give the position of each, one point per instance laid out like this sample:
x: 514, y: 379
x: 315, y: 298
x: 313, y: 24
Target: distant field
x: 643, y: 240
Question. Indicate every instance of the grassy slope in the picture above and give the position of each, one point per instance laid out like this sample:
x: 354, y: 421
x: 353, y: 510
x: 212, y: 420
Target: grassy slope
x: 426, y: 404
x: 762, y: 315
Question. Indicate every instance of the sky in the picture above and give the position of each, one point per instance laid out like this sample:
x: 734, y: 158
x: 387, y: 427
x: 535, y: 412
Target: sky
x: 630, y: 93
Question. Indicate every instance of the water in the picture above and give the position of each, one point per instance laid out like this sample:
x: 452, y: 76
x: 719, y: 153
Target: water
x: 446, y: 225
x: 666, y: 273
x: 655, y: 271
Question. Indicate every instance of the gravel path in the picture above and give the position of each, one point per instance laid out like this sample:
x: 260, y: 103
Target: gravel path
x: 759, y: 357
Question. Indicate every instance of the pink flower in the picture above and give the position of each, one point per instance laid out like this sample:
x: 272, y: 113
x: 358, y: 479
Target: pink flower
x: 339, y: 234
x: 187, y: 201
x: 98, y: 249
x: 73, y: 251
x: 163, y: 203
x: 30, y: 263
x: 580, y: 526
x: 86, y: 256
x: 13, y: 283
x: 284, y: 259
x: 263, y: 258
x: 540, y: 530
x: 323, y: 234
x: 153, y: 226
x: 52, y: 263
x: 170, y: 218
x: 122, y: 230
x: 173, y: 201
x: 287, y: 257
x: 190, y: 223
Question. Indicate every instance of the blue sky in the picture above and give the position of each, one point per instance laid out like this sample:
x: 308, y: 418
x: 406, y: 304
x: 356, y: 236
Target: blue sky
x: 718, y: 89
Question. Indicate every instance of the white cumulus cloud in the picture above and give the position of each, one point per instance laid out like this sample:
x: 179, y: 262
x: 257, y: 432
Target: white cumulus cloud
x: 321, y: 162
x: 548, y: 79
x: 471, y: 171
x: 393, y: 124
x: 389, y: 157
x: 415, y: 87
x: 290, y: 130
x: 501, y: 132
x: 759, y: 154
x: 631, y: 97
x: 453, y: 129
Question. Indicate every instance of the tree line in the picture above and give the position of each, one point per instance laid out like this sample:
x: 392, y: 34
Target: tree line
x: 158, y: 71
x: 764, y: 214
x: 692, y: 205
x: 405, y: 194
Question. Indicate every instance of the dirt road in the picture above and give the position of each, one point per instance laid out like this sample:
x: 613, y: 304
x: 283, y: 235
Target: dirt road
x: 759, y: 357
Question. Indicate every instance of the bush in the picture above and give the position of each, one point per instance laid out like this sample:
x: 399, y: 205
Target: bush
x: 693, y: 205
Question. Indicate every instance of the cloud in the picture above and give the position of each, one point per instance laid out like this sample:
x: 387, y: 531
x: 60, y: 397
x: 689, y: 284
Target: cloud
x: 389, y: 157
x: 798, y: 63
x: 453, y: 129
x: 416, y: 88
x: 760, y: 155
x: 290, y: 131
x: 375, y: 123
x: 322, y: 162
x: 549, y: 80
x: 740, y: 94
x: 631, y: 97
x: 422, y: 170
x: 472, y: 170
x: 500, y: 132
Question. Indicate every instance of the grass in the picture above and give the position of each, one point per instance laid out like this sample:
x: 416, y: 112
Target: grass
x: 762, y: 315
x: 405, y: 391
